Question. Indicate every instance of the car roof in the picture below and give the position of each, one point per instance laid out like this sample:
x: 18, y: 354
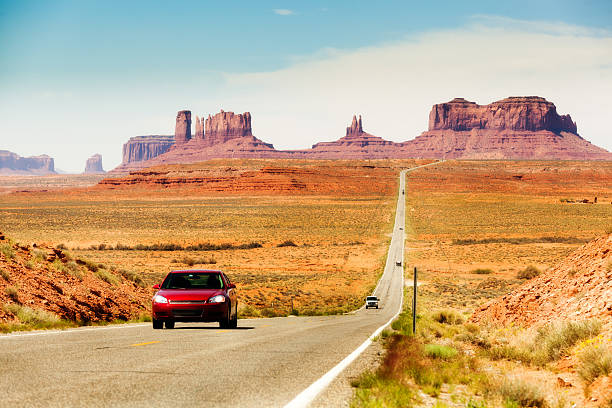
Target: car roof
x: 196, y: 270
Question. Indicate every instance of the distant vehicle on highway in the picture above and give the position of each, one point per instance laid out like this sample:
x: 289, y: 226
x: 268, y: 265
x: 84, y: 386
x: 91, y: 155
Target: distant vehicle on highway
x: 371, y: 301
x: 195, y: 296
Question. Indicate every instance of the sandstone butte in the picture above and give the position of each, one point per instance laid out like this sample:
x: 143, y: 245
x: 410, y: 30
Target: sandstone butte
x: 93, y: 165
x: 513, y: 128
x: 13, y: 164
x: 579, y: 287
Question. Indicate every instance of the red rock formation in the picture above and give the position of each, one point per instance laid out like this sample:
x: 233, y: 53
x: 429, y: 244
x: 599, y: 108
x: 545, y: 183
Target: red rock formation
x: 578, y: 287
x: 142, y: 148
x: 513, y: 128
x: 93, y: 165
x: 12, y: 163
x: 225, y: 126
x: 182, y: 130
x: 530, y: 113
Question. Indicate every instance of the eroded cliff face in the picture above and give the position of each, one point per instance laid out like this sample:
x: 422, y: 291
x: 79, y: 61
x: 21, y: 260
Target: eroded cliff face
x: 514, y: 128
x: 182, y: 129
x: 142, y: 148
x: 93, y: 165
x: 528, y: 113
x: 225, y: 126
x: 12, y: 163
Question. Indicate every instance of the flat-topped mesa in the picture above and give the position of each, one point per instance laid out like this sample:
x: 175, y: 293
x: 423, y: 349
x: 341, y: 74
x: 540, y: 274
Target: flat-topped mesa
x: 225, y: 126
x: 356, y: 128
x: 12, y: 163
x: 142, y: 148
x: 524, y: 113
x: 182, y: 130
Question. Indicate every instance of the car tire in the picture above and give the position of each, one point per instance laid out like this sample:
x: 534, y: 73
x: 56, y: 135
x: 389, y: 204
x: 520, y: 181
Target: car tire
x: 158, y: 324
x: 226, y: 322
x: 169, y: 324
x: 377, y: 307
x: 234, y: 322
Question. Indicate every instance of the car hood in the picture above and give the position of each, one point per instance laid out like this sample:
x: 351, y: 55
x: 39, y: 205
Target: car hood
x: 189, y: 294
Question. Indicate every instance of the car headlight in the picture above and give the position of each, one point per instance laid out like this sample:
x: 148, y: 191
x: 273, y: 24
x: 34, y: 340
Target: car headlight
x: 217, y: 299
x: 159, y: 299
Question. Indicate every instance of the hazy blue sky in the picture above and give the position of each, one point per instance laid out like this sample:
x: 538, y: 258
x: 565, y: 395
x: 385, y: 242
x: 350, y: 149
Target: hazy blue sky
x: 81, y: 77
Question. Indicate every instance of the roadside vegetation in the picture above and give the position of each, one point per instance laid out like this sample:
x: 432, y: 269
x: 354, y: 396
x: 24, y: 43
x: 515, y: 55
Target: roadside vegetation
x: 451, y: 362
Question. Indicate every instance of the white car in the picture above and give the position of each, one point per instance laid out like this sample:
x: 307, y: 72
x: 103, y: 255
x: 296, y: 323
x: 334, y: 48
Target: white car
x: 371, y: 301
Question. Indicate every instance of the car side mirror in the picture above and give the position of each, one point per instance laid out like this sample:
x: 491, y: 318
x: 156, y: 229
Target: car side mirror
x: 231, y: 286
x: 156, y: 286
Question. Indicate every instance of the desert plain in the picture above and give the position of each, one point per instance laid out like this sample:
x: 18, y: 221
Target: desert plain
x: 310, y: 237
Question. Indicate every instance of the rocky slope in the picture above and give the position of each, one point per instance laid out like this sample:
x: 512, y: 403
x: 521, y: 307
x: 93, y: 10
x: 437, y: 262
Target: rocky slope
x: 93, y: 165
x: 513, y: 128
x: 577, y: 288
x: 12, y: 163
x: 47, y: 278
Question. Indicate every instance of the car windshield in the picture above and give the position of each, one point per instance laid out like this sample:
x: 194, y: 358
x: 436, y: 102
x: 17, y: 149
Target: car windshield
x: 193, y: 280
x: 371, y: 298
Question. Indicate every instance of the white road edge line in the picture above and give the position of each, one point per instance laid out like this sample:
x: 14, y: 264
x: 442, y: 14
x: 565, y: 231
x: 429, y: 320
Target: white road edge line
x: 304, y: 398
x: 309, y: 394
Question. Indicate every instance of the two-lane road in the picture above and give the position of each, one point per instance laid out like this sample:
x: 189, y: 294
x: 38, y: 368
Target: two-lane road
x: 263, y: 363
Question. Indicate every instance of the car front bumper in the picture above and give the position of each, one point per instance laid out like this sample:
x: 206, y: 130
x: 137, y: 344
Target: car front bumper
x: 206, y: 312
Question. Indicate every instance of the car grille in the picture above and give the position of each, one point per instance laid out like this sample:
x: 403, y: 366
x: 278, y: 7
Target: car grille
x: 187, y: 302
x: 186, y: 312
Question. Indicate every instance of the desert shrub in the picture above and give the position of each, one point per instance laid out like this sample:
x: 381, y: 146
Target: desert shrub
x: 595, y: 360
x: 482, y: 271
x: 71, y: 268
x: 440, y: 351
x: 7, y: 250
x: 374, y: 391
x: 61, y: 246
x: 107, y: 276
x: 39, y: 255
x: 132, y: 276
x: 520, y: 240
x: 287, y: 243
x: 516, y: 392
x: 447, y: 316
x: 549, y: 343
x: 529, y: 272
x: 92, y: 266
x: 12, y: 293
x: 29, y: 264
x: 554, y: 340
x: 6, y: 275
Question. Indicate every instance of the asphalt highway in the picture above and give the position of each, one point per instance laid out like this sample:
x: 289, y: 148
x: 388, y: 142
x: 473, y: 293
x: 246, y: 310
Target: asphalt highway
x: 263, y: 363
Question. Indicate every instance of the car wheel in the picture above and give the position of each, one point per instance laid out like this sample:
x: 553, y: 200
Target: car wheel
x: 169, y: 324
x: 158, y: 324
x: 377, y: 307
x: 225, y: 323
x: 234, y: 322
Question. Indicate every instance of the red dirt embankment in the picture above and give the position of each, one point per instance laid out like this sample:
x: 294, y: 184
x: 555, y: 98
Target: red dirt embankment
x: 265, y: 177
x: 46, y: 278
x: 578, y: 287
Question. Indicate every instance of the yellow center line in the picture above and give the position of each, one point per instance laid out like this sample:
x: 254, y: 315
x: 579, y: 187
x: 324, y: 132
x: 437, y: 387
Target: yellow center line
x: 144, y: 344
x: 221, y: 331
x: 266, y: 325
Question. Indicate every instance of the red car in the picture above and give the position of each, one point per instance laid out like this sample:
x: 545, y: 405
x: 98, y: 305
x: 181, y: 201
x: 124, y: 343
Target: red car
x: 195, y: 296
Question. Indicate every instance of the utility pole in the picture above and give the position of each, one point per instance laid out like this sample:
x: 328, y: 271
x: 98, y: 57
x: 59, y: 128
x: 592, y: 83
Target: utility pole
x: 414, y: 302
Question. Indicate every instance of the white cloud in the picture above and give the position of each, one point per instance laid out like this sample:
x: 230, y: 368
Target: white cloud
x: 394, y: 85
x: 283, y: 12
